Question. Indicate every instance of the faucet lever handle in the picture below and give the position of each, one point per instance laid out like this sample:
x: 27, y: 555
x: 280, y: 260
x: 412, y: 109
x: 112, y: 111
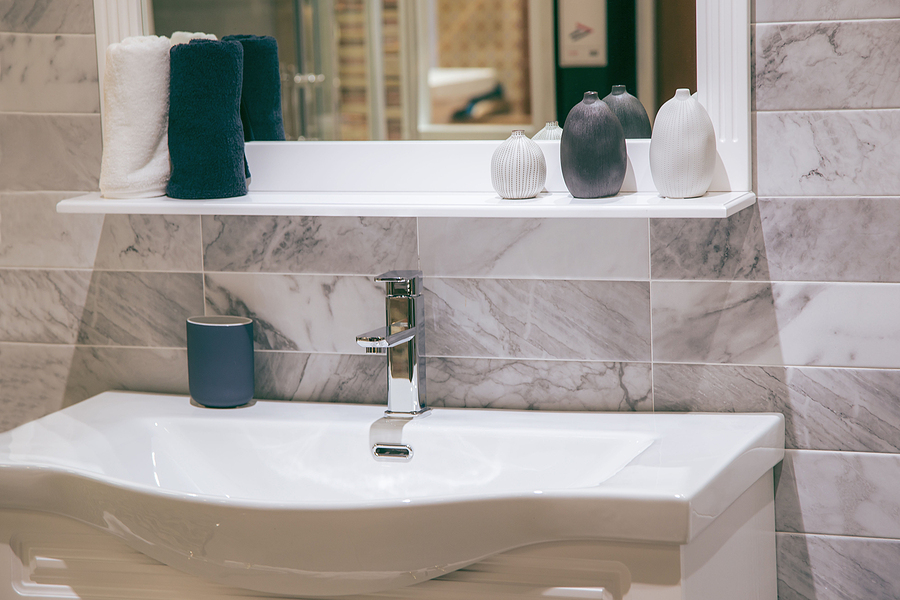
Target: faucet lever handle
x: 402, y: 283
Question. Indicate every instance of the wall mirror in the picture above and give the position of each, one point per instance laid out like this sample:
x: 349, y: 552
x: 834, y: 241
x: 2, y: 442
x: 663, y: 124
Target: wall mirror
x: 379, y: 70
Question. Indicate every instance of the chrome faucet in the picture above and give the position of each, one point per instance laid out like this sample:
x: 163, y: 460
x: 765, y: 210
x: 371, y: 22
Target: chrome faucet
x: 403, y: 340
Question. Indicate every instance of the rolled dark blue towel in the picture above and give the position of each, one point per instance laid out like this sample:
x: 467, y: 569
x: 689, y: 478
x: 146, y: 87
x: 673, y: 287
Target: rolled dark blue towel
x: 261, y: 94
x: 206, y: 142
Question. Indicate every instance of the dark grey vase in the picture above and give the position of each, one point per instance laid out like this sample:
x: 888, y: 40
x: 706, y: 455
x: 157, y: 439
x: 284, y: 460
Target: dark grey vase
x: 630, y: 111
x: 592, y: 150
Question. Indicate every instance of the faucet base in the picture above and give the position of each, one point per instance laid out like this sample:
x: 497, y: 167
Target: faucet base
x: 395, y: 414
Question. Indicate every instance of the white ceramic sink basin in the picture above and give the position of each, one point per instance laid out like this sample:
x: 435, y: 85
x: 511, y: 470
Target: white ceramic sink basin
x: 288, y: 498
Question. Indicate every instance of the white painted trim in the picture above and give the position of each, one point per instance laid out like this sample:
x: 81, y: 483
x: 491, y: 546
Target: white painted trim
x: 115, y: 20
x: 723, y: 83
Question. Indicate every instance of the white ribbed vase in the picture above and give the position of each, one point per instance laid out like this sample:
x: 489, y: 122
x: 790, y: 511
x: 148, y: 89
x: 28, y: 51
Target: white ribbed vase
x: 518, y: 167
x: 682, y: 148
x: 551, y: 131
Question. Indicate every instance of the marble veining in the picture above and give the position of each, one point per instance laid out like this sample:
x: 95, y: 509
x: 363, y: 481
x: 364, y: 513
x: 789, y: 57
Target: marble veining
x: 98, y: 369
x: 712, y: 249
x: 832, y: 239
x: 534, y: 248
x: 32, y: 381
x: 42, y: 73
x: 126, y: 308
x: 836, y: 153
x: 770, y: 11
x: 839, y: 493
x: 47, y: 16
x: 527, y: 318
x: 538, y: 384
x: 824, y: 409
x: 150, y: 243
x: 333, y: 245
x: 844, y: 64
x: 818, y: 567
x: 52, y: 152
x: 33, y: 234
x: 714, y: 322
x: 796, y: 324
x: 321, y: 377
x: 42, y: 306
x: 309, y: 313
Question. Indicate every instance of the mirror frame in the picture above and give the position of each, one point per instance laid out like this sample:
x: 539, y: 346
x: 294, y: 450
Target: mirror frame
x: 723, y: 73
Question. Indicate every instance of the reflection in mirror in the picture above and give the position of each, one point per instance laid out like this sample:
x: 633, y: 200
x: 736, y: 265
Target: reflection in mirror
x: 450, y: 69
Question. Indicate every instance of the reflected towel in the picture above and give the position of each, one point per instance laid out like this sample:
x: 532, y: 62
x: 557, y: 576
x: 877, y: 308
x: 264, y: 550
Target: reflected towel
x: 183, y: 37
x: 135, y: 161
x: 206, y: 142
x: 261, y: 90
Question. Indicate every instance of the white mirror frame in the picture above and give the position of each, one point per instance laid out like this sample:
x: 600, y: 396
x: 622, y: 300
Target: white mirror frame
x: 723, y: 73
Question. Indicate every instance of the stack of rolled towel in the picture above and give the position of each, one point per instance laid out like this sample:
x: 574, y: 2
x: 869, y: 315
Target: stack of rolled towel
x: 177, y: 112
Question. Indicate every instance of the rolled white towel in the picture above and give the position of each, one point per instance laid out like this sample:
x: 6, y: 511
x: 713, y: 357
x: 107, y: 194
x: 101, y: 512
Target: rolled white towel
x: 183, y: 37
x: 135, y: 118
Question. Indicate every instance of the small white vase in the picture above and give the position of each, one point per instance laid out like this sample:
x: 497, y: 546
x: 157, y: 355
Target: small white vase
x: 551, y: 131
x: 518, y: 167
x: 682, y: 148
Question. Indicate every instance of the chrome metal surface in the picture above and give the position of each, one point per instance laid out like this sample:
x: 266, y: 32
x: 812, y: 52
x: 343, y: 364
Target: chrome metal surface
x: 392, y: 452
x: 403, y: 340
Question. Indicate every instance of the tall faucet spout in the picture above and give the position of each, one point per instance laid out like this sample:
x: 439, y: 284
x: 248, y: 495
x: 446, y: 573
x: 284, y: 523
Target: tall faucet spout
x: 402, y: 339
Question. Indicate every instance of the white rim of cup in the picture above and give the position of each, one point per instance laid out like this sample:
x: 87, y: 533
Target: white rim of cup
x: 220, y: 320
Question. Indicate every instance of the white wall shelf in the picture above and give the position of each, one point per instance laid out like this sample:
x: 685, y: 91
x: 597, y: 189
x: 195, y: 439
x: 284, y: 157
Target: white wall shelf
x: 416, y: 179
x: 422, y: 204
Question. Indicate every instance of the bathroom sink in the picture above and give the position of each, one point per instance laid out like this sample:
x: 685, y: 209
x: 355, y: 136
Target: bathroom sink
x: 289, y: 497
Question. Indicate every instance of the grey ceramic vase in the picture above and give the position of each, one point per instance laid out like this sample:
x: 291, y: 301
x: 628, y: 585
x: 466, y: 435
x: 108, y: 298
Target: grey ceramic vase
x: 630, y: 111
x: 592, y: 150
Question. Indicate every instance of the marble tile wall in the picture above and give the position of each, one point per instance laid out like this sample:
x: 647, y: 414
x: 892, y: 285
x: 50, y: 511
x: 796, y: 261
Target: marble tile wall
x: 790, y: 306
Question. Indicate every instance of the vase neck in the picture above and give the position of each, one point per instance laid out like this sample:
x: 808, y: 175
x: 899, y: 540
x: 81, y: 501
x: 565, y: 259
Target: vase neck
x: 591, y: 97
x: 618, y: 90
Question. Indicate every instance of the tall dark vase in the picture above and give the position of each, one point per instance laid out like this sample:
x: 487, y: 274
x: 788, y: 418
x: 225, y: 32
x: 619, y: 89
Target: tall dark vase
x: 630, y: 111
x: 592, y: 150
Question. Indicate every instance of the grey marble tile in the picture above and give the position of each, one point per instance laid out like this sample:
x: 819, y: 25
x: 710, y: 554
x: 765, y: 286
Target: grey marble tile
x: 823, y: 10
x: 332, y: 245
x: 150, y: 243
x: 321, y: 377
x: 839, y: 493
x: 526, y: 318
x: 44, y: 73
x: 309, y: 313
x: 95, y: 370
x: 47, y: 16
x: 795, y: 324
x: 832, y: 239
x: 824, y: 409
x: 813, y: 567
x: 534, y: 248
x: 832, y: 153
x: 714, y: 322
x: 33, y: 234
x: 42, y: 306
x: 834, y: 65
x: 716, y: 249
x: 49, y: 152
x: 140, y: 309
x: 538, y: 384
x: 32, y: 381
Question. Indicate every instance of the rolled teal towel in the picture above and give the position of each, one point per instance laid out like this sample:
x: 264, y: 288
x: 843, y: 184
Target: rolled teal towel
x: 261, y: 93
x: 206, y: 142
